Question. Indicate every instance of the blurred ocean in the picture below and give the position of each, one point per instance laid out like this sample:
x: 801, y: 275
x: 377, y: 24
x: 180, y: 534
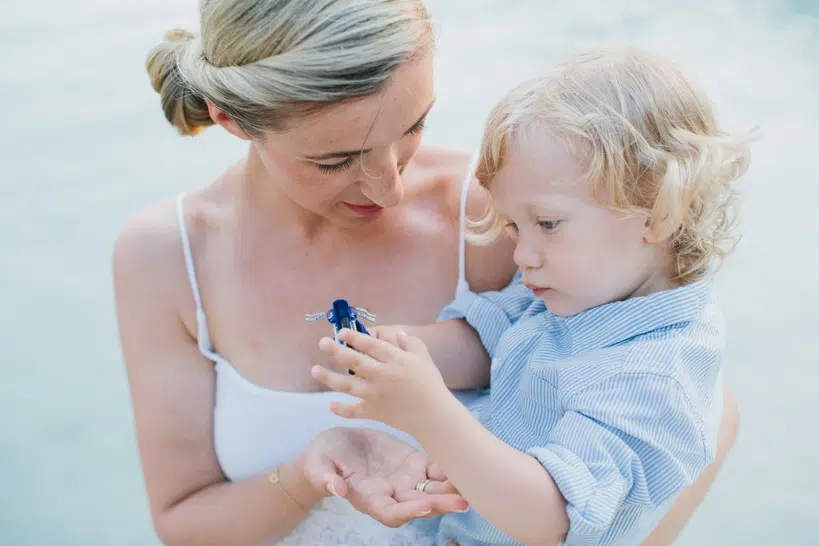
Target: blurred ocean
x: 84, y: 144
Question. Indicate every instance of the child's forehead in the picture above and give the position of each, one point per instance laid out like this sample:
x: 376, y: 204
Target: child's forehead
x: 538, y: 162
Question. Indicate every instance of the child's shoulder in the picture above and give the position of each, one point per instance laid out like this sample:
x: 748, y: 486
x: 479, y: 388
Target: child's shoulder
x: 688, y: 354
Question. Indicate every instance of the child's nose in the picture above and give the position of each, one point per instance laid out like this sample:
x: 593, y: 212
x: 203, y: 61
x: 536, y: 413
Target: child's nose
x: 526, y: 256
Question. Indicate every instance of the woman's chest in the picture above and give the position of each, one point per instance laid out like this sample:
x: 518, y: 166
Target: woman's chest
x: 257, y: 319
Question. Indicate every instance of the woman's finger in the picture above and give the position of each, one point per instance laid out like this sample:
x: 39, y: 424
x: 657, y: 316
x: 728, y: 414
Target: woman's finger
x: 324, y: 475
x: 389, y: 512
x: 435, y: 472
x: 441, y: 488
x: 440, y: 501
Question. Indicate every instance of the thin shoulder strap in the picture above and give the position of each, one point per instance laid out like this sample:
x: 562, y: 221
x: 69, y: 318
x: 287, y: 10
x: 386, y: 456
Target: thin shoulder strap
x: 203, y: 336
x: 463, y: 285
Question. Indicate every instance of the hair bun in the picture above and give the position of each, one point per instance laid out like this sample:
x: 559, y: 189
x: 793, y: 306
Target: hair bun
x: 183, y: 108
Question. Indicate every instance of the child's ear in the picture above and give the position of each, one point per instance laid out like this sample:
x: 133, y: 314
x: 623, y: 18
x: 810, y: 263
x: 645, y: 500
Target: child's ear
x: 659, y: 230
x: 219, y: 117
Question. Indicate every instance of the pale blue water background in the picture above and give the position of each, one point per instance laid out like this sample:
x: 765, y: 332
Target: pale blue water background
x: 84, y: 144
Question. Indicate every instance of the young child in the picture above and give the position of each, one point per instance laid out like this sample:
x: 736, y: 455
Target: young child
x: 616, y: 184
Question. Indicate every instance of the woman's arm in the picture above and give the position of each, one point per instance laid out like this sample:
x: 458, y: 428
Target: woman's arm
x: 172, y: 392
x: 683, y: 508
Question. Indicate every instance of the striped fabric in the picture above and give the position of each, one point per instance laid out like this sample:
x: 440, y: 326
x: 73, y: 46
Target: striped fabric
x: 621, y: 403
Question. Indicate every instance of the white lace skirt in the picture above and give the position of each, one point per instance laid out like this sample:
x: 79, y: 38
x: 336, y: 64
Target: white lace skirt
x: 336, y: 522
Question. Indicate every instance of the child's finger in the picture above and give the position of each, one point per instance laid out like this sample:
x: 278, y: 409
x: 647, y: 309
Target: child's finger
x: 378, y: 349
x: 411, y: 344
x: 346, y: 357
x: 355, y: 410
x: 385, y: 333
x: 348, y: 384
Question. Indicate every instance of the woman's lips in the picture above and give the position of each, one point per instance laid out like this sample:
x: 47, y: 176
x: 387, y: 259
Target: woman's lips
x: 365, y: 210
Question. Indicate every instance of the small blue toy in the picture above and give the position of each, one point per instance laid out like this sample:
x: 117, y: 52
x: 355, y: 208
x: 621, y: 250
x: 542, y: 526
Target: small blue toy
x: 342, y: 315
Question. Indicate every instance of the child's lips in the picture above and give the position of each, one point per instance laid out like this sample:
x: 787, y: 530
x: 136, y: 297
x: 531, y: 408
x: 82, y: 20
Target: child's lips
x: 538, y: 290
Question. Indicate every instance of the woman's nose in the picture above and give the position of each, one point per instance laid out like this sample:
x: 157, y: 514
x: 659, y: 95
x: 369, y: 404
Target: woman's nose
x: 382, y: 181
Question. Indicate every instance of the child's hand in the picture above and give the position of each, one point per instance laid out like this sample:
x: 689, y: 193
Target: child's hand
x: 388, y: 333
x: 398, y: 384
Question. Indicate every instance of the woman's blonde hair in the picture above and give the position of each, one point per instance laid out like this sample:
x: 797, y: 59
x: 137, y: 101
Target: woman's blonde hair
x: 266, y: 62
x: 649, y: 141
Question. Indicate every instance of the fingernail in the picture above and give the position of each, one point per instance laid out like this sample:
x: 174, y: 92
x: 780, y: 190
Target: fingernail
x: 332, y: 490
x: 425, y: 513
x: 462, y: 510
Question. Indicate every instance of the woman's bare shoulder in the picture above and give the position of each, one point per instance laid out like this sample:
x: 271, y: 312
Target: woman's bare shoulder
x: 149, y: 256
x: 437, y: 174
x: 151, y: 238
x: 443, y: 177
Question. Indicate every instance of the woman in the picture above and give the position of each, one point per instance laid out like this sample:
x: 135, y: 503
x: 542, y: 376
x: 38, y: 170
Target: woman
x: 333, y: 200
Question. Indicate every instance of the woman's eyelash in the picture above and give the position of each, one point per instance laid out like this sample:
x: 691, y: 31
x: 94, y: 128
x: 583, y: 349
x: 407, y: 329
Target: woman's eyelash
x: 418, y: 127
x: 335, y: 167
x: 548, y: 225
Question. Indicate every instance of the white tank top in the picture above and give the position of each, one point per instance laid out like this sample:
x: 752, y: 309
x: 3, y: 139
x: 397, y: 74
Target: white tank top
x: 256, y: 428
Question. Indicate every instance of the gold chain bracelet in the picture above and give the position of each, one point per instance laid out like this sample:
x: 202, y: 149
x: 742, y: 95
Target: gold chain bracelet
x: 275, y: 478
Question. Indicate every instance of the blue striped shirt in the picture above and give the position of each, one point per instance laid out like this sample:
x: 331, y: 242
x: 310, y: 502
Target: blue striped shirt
x: 620, y: 403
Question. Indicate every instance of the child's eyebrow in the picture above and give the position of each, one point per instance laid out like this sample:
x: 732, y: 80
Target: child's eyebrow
x: 550, y: 206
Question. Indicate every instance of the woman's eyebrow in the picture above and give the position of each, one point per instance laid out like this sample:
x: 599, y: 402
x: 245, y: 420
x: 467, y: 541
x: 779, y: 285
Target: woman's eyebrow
x: 345, y: 154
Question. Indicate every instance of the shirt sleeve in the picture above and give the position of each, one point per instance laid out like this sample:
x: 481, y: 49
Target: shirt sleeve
x: 632, y: 440
x: 491, y: 313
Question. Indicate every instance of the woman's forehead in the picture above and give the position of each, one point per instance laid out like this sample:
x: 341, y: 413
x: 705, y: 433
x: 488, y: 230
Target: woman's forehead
x: 371, y: 121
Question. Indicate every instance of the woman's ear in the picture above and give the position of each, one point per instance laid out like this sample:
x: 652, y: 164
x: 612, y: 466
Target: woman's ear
x: 219, y: 117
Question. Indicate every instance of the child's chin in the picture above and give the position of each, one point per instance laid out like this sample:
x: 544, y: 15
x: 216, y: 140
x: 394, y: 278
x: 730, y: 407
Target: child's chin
x: 561, y: 308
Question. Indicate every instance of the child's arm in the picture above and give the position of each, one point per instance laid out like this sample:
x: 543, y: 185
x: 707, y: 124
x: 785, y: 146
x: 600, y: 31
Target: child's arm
x: 463, y: 341
x: 402, y: 387
x: 630, y: 442
x: 509, y: 488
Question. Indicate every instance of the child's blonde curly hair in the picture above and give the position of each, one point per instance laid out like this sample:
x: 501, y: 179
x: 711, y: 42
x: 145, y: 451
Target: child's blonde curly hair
x: 649, y: 141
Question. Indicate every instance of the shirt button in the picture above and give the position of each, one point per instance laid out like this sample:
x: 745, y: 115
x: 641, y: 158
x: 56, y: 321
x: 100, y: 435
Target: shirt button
x: 476, y: 414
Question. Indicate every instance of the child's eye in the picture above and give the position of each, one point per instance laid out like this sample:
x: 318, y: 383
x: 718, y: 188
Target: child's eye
x: 335, y: 167
x: 548, y: 225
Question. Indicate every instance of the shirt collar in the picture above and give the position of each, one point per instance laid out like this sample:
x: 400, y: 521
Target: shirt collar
x: 618, y: 321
